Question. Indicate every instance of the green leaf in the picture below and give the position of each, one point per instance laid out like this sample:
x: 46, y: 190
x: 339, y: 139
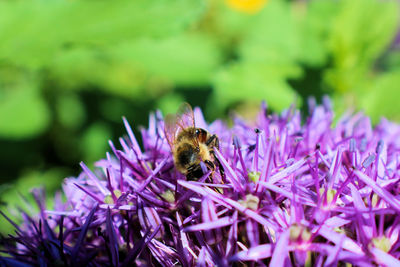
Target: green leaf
x: 273, y: 37
x: 184, y: 60
x: 381, y: 96
x: 168, y: 103
x: 244, y: 82
x: 70, y: 110
x: 94, y: 142
x: 362, y: 31
x: 313, y: 23
x: 87, y: 68
x: 226, y: 23
x: 145, y: 67
x: 32, y: 32
x: 267, y: 59
x: 392, y: 60
x: 23, y: 113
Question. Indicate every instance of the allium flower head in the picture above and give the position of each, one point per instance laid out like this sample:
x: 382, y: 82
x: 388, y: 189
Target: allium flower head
x: 295, y: 193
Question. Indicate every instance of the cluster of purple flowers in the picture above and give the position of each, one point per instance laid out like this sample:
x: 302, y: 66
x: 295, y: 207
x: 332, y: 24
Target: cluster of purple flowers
x: 294, y: 194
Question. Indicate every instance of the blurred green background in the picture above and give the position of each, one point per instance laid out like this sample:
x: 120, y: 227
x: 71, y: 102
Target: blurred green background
x: 70, y: 69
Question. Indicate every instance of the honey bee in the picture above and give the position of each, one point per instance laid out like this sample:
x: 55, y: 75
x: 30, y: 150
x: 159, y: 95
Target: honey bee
x: 190, y: 145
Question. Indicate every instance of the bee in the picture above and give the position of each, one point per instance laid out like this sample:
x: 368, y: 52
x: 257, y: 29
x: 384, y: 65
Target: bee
x: 190, y: 145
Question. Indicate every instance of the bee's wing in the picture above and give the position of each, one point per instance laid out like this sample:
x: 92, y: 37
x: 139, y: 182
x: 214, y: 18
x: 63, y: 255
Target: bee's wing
x: 170, y: 128
x: 185, y: 119
x: 173, y: 124
x: 185, y: 116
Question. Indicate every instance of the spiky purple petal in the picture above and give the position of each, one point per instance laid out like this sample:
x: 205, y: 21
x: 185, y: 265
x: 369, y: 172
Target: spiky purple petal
x: 291, y: 194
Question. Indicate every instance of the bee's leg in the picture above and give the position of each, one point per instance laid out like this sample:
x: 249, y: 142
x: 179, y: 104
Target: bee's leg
x: 212, y: 141
x: 216, y: 143
x: 210, y: 165
x: 221, y: 169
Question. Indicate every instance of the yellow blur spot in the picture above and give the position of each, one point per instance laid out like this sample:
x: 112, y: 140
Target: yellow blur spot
x: 108, y: 199
x: 383, y: 243
x: 117, y: 193
x: 254, y: 176
x: 246, y: 6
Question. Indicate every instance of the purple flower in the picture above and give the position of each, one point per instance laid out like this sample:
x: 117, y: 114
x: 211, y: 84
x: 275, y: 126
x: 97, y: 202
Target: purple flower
x: 295, y: 192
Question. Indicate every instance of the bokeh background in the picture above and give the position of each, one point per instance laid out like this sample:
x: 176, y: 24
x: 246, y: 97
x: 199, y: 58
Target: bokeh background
x: 70, y: 69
